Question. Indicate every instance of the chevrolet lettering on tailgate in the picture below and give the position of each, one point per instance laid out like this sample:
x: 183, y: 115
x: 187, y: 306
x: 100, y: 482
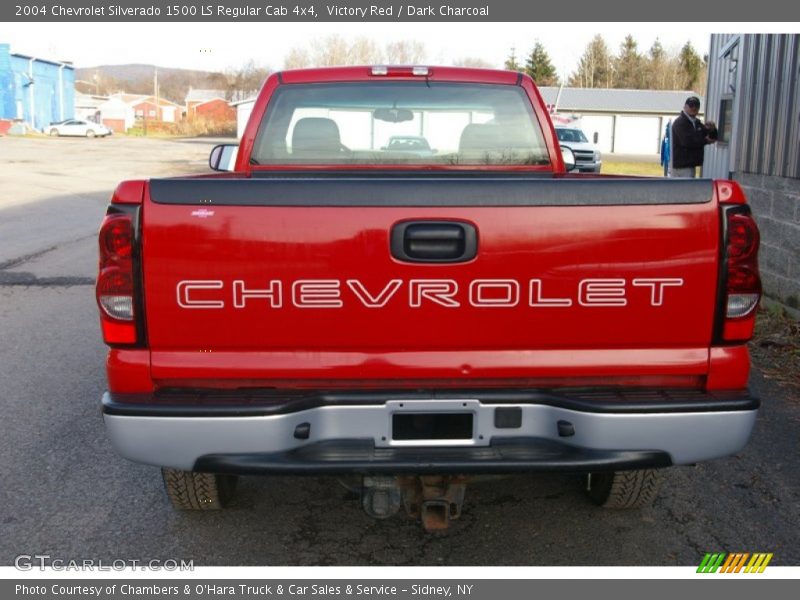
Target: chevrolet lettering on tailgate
x: 328, y: 293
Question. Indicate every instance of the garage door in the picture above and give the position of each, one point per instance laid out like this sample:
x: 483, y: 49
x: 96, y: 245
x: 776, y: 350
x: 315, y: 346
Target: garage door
x: 637, y: 135
x: 601, y: 125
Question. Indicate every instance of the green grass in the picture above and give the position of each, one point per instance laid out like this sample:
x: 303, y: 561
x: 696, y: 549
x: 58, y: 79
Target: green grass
x: 646, y: 169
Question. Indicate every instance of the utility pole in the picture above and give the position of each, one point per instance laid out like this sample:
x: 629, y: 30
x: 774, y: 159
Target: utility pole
x: 155, y: 88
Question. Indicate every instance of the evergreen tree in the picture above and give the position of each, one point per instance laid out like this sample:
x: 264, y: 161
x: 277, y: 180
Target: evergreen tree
x: 657, y: 67
x: 628, y: 64
x: 511, y: 63
x: 692, y: 67
x: 657, y: 53
x: 539, y: 66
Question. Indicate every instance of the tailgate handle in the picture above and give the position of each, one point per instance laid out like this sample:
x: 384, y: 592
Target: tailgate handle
x: 434, y: 241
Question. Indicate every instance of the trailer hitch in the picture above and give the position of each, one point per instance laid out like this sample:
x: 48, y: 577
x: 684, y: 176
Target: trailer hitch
x: 435, y: 500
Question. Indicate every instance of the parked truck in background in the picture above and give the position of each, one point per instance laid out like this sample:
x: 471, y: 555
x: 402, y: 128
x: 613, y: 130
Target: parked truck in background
x: 415, y: 319
x: 588, y: 158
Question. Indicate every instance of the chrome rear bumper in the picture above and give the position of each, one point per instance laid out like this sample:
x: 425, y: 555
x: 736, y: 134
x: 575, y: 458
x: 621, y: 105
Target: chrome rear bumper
x: 544, y: 432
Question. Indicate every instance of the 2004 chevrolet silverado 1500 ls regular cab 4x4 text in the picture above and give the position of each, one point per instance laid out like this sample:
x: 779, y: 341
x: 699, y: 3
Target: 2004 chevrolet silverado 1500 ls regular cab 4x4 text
x: 333, y: 307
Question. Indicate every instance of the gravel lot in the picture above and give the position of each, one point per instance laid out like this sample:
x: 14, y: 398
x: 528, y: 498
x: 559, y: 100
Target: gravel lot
x: 65, y: 493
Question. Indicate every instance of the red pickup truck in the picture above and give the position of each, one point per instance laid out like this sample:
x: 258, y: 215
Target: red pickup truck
x: 416, y: 314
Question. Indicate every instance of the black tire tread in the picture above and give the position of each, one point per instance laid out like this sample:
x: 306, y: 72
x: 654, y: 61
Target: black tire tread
x: 627, y: 489
x: 189, y: 490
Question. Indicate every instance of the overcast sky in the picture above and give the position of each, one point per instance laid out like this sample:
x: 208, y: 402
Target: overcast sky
x: 215, y: 46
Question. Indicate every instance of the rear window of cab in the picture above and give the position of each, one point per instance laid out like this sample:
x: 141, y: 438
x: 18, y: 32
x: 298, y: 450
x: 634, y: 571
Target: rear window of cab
x: 416, y: 123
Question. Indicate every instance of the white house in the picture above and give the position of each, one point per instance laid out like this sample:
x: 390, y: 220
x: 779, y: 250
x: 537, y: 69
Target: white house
x: 87, y: 106
x: 117, y: 114
x: 243, y: 110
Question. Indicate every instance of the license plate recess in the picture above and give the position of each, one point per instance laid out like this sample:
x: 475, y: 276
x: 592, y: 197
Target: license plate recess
x: 432, y: 426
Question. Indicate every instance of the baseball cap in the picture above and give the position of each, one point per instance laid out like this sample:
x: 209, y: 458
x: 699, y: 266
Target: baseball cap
x: 693, y: 102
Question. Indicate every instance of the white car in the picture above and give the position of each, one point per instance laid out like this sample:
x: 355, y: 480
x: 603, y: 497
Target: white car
x: 587, y: 157
x: 76, y: 127
x: 409, y: 144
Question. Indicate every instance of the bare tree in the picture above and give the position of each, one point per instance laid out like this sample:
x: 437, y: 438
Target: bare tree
x: 245, y: 81
x: 472, y: 61
x: 334, y: 50
x: 363, y: 51
x: 595, y: 68
x: 297, y: 58
x: 405, y: 52
x: 330, y: 51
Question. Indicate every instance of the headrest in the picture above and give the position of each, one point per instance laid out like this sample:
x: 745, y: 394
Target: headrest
x: 477, y: 137
x: 316, y: 134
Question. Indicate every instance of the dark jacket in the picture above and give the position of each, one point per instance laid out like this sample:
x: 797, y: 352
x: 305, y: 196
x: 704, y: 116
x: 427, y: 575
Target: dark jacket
x: 688, y: 141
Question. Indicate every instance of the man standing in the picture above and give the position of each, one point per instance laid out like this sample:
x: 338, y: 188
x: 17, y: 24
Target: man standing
x: 689, y: 138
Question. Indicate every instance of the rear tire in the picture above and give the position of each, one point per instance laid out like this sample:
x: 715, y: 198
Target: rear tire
x: 624, y: 489
x: 190, y: 490
x: 90, y: 134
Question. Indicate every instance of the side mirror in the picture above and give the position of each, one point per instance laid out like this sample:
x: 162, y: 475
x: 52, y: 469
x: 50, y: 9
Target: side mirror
x: 223, y: 157
x: 569, y: 158
x: 596, y: 137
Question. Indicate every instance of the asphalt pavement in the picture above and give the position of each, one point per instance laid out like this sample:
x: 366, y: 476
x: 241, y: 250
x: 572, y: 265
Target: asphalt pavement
x: 64, y: 492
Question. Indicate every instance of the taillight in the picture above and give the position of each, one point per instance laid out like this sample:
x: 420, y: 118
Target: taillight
x: 744, y: 283
x: 117, y: 237
x: 116, y: 287
x: 115, y: 294
x: 742, y: 280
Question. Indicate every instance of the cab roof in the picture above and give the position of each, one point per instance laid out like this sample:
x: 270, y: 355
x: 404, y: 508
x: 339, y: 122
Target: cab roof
x: 405, y: 72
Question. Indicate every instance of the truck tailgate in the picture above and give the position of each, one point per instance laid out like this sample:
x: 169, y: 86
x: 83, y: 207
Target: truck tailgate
x: 275, y: 280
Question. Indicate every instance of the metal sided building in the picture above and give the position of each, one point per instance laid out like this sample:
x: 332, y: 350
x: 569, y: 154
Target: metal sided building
x: 34, y: 90
x: 754, y: 97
